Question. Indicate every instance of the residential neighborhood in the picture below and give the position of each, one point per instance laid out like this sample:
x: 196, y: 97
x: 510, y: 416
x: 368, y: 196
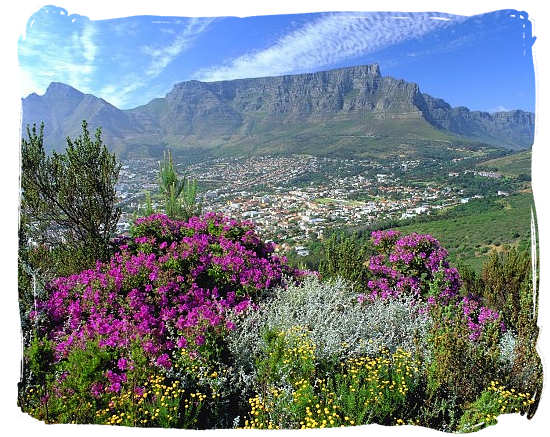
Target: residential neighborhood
x: 295, y: 197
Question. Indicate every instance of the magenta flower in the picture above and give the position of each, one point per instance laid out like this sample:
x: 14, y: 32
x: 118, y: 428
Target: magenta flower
x: 122, y: 363
x: 186, y: 286
x: 96, y: 389
x: 164, y: 361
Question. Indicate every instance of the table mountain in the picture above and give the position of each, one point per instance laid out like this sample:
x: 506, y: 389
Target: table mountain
x: 347, y: 111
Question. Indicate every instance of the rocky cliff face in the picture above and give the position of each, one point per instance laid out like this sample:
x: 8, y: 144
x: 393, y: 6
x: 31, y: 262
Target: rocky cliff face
x: 355, y: 100
x: 513, y: 129
x: 344, y: 90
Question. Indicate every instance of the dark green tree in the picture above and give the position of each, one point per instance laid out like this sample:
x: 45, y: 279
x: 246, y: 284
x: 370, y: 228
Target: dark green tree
x: 506, y: 277
x: 68, y: 199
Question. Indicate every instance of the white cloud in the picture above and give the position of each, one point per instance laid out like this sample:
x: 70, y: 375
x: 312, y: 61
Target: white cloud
x: 28, y: 85
x: 117, y: 95
x: 87, y: 42
x: 161, y: 57
x: 70, y: 59
x: 326, y: 41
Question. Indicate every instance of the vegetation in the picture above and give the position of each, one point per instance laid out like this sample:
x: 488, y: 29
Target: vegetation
x: 511, y: 165
x: 476, y: 230
x: 68, y: 212
x: 193, y: 321
x: 195, y: 324
x: 345, y: 256
x: 70, y: 197
x: 179, y: 195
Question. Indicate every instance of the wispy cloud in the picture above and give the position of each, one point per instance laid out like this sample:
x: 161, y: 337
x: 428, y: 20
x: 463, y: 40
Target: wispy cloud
x: 162, y: 56
x: 159, y: 58
x: 330, y: 39
x: 70, y: 59
x: 87, y: 43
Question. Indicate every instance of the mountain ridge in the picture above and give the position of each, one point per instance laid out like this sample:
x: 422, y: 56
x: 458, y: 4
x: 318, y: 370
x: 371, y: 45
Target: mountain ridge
x: 279, y: 112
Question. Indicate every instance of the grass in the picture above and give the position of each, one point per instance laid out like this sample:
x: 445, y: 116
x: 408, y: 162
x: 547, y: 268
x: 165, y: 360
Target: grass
x: 470, y: 237
x: 511, y: 165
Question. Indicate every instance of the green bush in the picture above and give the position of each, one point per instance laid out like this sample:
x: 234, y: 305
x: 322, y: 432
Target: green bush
x: 457, y: 364
x: 505, y: 277
x: 297, y: 394
x: 494, y: 400
x: 346, y: 256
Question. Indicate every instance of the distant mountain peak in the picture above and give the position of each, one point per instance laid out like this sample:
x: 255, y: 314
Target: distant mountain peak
x: 60, y: 88
x: 336, y: 108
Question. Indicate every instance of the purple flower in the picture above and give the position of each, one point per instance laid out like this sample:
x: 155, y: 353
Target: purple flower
x: 157, y: 295
x: 115, y: 387
x: 164, y: 361
x: 122, y: 363
x: 96, y: 389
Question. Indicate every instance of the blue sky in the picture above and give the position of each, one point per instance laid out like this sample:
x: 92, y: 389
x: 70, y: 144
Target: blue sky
x: 483, y: 62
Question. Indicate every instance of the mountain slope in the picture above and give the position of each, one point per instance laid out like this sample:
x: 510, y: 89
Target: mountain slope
x: 62, y: 109
x: 353, y: 111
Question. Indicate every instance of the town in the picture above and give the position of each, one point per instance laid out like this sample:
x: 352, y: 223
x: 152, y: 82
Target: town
x: 293, y: 198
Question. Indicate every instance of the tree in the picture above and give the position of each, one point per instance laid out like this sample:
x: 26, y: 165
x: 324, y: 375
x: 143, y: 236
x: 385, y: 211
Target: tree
x: 346, y: 255
x: 69, y: 198
x: 180, y: 195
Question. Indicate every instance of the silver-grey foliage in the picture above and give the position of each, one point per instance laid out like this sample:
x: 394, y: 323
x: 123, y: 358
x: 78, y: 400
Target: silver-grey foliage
x: 507, y: 347
x: 339, y: 325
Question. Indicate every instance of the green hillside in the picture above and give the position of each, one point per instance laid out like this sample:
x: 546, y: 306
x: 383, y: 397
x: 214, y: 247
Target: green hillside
x: 475, y: 231
x: 511, y: 165
x: 365, y: 137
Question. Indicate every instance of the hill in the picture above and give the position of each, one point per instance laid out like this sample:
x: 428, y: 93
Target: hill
x: 476, y: 228
x: 352, y: 111
x: 510, y: 165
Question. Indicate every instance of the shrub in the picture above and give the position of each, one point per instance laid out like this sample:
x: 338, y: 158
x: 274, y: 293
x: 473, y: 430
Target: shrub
x: 345, y: 257
x: 506, y: 284
x: 507, y: 346
x: 506, y: 277
x: 494, y: 400
x: 338, y: 324
x: 357, y: 391
x: 169, y: 288
x: 69, y: 198
x: 179, y: 195
x: 290, y: 357
x: 158, y: 403
x: 408, y: 265
x: 464, y: 349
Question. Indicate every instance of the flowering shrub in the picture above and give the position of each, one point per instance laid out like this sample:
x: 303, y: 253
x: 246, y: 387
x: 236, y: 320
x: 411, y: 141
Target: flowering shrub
x: 338, y: 324
x: 496, y: 399
x: 456, y: 362
x: 408, y: 265
x: 417, y: 265
x: 357, y: 391
x: 153, y: 405
x: 169, y: 288
x: 200, y: 324
x: 478, y: 316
